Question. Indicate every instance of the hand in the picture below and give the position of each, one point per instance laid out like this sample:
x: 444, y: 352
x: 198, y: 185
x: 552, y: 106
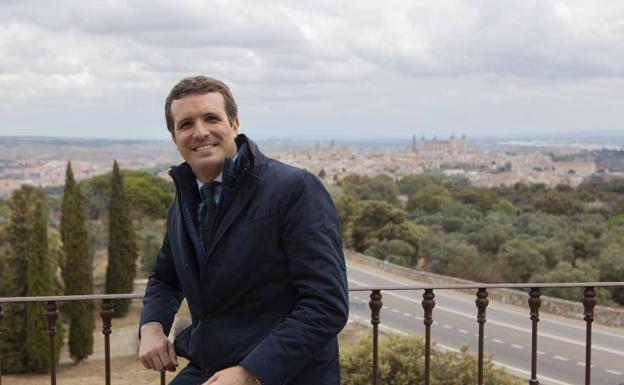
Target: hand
x: 156, y: 351
x: 236, y: 375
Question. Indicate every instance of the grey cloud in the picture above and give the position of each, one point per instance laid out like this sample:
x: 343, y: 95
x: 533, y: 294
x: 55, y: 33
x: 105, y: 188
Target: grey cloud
x: 326, y: 58
x: 517, y: 38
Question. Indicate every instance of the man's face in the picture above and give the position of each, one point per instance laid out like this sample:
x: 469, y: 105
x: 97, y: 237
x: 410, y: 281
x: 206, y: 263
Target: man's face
x: 202, y: 133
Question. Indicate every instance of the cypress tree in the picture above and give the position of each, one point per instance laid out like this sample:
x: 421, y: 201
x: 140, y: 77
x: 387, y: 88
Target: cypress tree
x: 70, y: 185
x: 20, y: 278
x: 13, y: 281
x: 40, y: 282
x: 78, y: 271
x: 122, y: 250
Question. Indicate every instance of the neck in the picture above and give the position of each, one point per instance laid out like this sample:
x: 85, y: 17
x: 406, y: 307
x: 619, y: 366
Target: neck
x: 206, y: 176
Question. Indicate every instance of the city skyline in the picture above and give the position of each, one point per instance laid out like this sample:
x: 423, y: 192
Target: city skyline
x: 315, y: 70
x: 383, y: 138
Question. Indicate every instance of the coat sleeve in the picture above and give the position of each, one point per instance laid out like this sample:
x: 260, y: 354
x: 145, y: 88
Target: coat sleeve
x: 163, y: 294
x: 311, y: 236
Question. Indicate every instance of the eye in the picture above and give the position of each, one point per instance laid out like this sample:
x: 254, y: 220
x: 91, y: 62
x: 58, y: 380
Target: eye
x: 184, y: 125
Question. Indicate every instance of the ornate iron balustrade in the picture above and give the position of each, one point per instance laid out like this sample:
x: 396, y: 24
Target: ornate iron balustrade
x: 375, y: 304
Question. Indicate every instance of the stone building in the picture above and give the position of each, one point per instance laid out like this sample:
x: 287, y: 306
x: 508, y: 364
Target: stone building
x: 439, y: 147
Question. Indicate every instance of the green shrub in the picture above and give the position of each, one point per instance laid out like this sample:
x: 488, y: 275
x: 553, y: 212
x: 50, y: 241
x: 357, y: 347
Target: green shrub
x: 402, y: 362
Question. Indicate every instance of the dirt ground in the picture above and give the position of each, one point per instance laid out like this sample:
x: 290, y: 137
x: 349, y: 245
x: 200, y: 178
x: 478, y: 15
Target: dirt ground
x: 125, y: 370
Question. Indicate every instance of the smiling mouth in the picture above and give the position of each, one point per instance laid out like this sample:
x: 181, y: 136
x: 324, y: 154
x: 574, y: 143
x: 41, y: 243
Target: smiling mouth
x: 205, y: 147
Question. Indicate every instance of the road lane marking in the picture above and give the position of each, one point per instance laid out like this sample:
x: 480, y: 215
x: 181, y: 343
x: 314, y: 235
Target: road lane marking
x: 540, y: 353
x: 407, y: 314
x: 395, y: 310
x: 445, y: 326
x: 560, y: 358
x: 613, y: 372
x: 497, y: 309
x: 519, y: 372
x: 527, y: 374
x: 512, y: 327
x: 515, y: 346
x: 462, y: 331
x: 497, y: 341
x: 393, y: 330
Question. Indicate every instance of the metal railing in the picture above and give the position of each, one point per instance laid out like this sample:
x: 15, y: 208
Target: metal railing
x: 375, y: 304
x: 52, y: 314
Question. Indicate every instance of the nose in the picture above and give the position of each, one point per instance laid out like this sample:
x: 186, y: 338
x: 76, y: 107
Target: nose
x: 201, y: 130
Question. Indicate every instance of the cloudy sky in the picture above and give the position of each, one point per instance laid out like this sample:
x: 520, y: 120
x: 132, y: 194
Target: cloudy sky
x: 316, y: 69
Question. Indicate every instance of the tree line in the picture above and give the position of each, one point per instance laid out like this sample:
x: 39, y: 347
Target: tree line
x: 47, y: 248
x: 520, y: 233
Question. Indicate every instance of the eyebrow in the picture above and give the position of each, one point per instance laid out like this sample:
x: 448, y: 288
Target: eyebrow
x: 212, y: 115
x: 206, y: 115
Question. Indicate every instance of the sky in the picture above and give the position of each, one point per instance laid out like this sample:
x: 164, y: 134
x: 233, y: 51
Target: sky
x: 316, y: 69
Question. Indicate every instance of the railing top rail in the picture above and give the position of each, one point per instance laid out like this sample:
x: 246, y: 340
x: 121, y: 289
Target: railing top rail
x: 95, y: 297
x: 64, y: 298
x: 477, y: 285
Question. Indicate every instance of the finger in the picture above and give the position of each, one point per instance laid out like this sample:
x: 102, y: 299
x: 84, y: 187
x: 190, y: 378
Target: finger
x: 146, y: 360
x: 142, y: 362
x: 160, y: 363
x: 172, y: 357
x: 149, y: 362
x: 212, y: 379
x: 145, y: 363
x: 163, y: 357
x: 156, y: 363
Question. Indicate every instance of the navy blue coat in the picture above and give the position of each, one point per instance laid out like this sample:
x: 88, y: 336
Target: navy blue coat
x: 270, y: 291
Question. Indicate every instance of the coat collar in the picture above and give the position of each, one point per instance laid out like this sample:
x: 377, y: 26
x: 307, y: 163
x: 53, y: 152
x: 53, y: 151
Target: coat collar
x: 239, y: 183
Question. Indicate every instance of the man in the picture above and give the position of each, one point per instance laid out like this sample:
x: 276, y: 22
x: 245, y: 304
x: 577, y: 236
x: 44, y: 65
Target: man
x: 262, y: 272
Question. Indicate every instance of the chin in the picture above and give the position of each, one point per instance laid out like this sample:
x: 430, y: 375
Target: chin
x: 208, y: 162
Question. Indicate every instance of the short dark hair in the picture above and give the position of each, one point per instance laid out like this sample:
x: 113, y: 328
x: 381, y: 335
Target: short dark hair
x: 200, y: 85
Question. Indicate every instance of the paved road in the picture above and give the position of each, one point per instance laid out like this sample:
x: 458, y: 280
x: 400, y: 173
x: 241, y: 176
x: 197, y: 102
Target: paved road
x: 561, y: 342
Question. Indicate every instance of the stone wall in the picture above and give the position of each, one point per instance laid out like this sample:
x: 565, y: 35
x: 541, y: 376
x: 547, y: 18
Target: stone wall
x: 603, y: 315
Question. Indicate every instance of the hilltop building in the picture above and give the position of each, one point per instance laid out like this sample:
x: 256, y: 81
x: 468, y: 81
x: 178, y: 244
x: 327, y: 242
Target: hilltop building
x: 438, y: 147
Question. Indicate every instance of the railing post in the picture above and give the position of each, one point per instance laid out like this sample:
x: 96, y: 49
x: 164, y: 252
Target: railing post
x: 1, y: 316
x: 535, y: 302
x: 428, y: 303
x: 589, y: 302
x: 375, y: 305
x: 51, y: 317
x: 482, y: 303
x: 106, y: 312
x: 162, y: 377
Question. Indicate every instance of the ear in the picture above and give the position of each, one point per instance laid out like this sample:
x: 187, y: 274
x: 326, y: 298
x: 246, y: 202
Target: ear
x: 235, y: 124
